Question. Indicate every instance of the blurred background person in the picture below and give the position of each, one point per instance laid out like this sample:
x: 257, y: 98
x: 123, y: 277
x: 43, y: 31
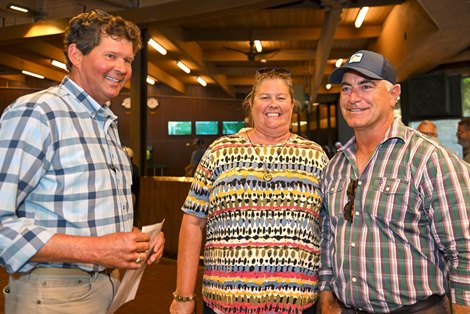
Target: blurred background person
x: 463, y: 137
x: 256, y: 194
x: 196, y: 155
x: 428, y: 128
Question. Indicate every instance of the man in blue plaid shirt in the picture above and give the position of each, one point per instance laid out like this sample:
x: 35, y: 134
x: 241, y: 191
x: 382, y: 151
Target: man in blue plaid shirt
x: 65, y: 181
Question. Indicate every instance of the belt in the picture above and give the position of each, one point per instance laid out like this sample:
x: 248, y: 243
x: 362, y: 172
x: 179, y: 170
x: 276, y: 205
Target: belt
x: 407, y: 309
x: 57, y: 271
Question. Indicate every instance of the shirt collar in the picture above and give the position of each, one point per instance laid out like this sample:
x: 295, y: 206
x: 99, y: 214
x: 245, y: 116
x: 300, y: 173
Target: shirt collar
x: 396, y: 130
x: 86, y: 100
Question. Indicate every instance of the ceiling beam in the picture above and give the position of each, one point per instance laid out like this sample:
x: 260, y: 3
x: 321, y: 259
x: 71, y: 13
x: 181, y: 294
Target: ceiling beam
x: 184, y: 11
x: 330, y: 22
x: 41, y: 47
x: 423, y: 34
x: 165, y: 78
x: 21, y: 64
x: 38, y: 29
x: 193, y: 52
x: 278, y: 34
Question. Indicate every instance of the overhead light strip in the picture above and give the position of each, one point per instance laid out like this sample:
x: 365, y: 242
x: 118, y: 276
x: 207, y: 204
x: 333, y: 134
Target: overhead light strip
x: 339, y: 62
x: 150, y: 80
x: 361, y: 16
x: 157, y: 46
x: 183, y: 67
x: 16, y: 7
x: 33, y: 74
x: 258, y: 45
x: 59, y: 64
x: 201, y: 81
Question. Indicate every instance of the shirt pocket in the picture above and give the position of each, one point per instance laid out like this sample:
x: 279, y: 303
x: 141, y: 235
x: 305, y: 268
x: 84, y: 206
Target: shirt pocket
x: 389, y: 198
x: 337, y: 197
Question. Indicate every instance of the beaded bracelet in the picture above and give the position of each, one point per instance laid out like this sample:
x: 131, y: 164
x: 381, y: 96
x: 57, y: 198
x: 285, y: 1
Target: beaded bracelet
x: 179, y: 298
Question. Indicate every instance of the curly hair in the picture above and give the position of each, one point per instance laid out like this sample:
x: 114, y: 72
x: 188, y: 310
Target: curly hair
x: 86, y: 30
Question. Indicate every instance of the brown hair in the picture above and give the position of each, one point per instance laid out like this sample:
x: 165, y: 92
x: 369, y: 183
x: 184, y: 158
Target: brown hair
x: 465, y: 122
x: 86, y: 30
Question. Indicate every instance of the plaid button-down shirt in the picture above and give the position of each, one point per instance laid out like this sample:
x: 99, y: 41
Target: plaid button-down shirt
x: 62, y: 170
x: 410, y: 220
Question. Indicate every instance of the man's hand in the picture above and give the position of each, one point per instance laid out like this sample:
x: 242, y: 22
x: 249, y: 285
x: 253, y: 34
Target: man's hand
x: 122, y: 249
x: 157, y: 249
x: 328, y: 304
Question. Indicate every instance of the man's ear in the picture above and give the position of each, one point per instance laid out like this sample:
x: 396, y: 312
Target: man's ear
x: 396, y: 91
x: 75, y: 55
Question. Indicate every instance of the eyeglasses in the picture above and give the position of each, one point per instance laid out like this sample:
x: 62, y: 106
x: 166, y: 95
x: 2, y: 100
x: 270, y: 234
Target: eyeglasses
x: 348, y: 208
x: 273, y: 70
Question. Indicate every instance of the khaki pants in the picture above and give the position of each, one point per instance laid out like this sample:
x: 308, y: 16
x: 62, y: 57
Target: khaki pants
x: 58, y: 290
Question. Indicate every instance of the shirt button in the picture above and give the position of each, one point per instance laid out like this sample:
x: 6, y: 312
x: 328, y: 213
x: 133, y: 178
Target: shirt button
x: 387, y: 188
x: 353, y: 244
x: 332, y: 189
x: 354, y: 279
x: 359, y: 182
x: 357, y: 213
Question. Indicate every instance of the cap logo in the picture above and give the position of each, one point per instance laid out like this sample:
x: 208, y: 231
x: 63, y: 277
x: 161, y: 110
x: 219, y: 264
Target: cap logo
x: 355, y: 58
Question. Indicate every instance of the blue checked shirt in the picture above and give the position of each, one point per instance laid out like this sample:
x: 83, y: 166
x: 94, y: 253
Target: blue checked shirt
x: 62, y: 170
x: 410, y: 224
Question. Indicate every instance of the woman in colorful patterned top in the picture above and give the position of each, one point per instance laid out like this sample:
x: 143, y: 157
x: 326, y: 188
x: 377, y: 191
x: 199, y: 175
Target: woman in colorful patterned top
x: 257, y: 195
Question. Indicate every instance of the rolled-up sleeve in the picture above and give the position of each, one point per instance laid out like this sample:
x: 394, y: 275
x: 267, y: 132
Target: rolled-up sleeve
x: 24, y: 138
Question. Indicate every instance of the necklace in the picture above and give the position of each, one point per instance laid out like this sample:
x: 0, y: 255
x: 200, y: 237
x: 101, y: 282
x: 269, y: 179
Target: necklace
x: 267, y: 176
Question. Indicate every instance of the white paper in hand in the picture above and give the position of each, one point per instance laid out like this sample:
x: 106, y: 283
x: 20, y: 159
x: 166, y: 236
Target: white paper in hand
x: 131, y: 279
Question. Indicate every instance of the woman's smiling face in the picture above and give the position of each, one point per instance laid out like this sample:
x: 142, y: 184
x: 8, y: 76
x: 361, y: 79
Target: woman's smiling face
x: 272, y: 106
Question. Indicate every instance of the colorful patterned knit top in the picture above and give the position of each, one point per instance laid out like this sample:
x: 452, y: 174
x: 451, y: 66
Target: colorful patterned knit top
x: 262, y: 237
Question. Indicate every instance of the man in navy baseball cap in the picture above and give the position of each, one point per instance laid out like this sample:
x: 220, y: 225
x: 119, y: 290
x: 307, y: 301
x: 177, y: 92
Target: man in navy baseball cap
x: 368, y: 63
x: 397, y: 203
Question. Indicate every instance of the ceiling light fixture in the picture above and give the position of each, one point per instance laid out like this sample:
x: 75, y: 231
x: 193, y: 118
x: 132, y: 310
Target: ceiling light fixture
x: 32, y: 74
x: 18, y: 8
x: 183, y: 67
x: 157, y: 46
x: 201, y: 81
x: 361, y: 16
x: 258, y: 45
x: 150, y: 80
x: 59, y: 64
x: 339, y: 62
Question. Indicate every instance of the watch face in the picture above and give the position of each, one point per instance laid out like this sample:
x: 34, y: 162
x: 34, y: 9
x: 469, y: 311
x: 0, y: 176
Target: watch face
x: 126, y: 103
x: 152, y: 103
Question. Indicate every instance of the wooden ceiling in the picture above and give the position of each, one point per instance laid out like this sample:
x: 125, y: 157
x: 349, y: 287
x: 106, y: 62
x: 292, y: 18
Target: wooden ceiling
x: 304, y: 36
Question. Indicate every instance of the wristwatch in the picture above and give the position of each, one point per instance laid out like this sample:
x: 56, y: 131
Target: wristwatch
x: 179, y: 298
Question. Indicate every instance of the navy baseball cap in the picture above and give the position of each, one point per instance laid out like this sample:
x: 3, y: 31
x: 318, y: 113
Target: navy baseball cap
x: 368, y: 63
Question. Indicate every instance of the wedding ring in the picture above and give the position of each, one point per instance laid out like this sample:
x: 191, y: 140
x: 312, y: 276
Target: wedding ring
x: 139, y: 259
